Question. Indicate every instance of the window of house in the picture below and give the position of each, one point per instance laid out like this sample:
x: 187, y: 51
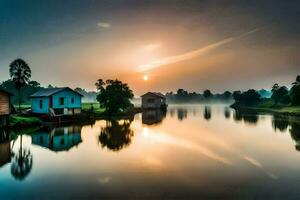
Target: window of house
x: 61, y: 101
x: 41, y: 104
x: 72, y: 100
x: 150, y: 100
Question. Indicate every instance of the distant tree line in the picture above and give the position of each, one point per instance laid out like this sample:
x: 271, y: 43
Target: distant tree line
x: 279, y: 94
x: 183, y: 96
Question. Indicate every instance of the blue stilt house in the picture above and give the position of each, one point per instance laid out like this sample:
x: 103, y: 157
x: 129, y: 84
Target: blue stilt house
x: 56, y: 101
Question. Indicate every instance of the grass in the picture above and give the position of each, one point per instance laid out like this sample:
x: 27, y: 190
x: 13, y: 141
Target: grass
x: 96, y: 107
x: 85, y: 106
x: 18, y: 120
x: 268, y: 105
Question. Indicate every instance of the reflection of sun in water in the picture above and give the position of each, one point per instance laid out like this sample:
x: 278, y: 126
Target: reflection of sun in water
x: 145, y: 132
x: 145, y: 77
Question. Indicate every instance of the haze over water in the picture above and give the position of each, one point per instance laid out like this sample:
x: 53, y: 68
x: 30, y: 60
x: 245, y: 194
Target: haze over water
x: 193, y: 151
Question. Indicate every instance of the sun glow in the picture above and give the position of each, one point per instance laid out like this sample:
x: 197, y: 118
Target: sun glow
x: 145, y: 77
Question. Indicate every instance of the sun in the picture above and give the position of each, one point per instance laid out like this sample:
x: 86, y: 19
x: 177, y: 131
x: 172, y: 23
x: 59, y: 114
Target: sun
x: 145, y: 77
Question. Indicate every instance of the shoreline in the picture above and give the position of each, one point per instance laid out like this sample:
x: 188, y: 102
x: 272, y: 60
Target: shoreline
x: 27, y: 121
x: 279, y: 111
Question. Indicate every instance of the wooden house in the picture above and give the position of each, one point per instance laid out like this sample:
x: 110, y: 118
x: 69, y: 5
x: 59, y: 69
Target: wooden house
x: 153, y: 100
x: 56, y: 101
x: 5, y: 107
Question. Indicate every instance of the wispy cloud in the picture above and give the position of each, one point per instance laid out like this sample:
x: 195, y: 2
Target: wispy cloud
x: 104, y: 24
x: 151, y: 47
x: 191, y: 54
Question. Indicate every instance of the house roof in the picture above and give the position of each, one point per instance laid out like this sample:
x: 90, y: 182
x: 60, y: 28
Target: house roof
x: 10, y: 94
x: 158, y: 94
x: 51, y: 91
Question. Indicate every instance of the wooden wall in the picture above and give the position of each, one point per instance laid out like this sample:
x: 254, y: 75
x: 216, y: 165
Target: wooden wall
x: 4, y: 104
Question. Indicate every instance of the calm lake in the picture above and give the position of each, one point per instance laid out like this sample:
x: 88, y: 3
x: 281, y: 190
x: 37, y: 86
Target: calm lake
x: 190, y: 152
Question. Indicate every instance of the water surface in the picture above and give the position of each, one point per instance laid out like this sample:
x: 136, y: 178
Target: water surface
x: 190, y: 152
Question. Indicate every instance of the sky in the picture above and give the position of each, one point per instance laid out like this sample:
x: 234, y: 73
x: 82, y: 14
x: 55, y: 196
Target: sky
x: 153, y: 45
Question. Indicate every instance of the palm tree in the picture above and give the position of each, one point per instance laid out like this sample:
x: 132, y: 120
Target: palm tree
x: 20, y: 74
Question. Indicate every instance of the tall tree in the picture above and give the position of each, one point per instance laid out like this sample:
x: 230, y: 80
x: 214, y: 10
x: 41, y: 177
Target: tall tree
x: 207, y: 93
x: 279, y: 94
x: 20, y: 74
x: 114, y: 96
x: 295, y: 92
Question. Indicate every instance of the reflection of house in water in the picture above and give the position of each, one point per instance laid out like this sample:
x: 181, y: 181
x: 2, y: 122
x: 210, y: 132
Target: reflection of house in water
x: 151, y: 117
x: 58, y: 139
x: 5, y: 151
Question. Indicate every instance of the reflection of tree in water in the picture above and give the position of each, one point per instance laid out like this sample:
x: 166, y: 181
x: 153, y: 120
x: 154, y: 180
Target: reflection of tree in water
x: 295, y: 133
x: 182, y: 113
x: 116, y: 135
x: 226, y: 113
x: 172, y: 112
x: 207, y: 113
x: 279, y: 123
x: 21, y: 162
x: 237, y: 116
x: 250, y: 118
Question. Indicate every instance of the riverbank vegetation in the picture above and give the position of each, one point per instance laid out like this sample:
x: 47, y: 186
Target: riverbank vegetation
x: 184, y: 96
x: 18, y: 120
x: 283, y: 101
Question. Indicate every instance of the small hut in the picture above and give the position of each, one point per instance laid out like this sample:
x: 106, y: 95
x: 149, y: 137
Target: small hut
x: 5, y: 107
x: 153, y: 100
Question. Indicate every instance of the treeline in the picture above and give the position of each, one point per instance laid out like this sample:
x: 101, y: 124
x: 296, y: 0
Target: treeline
x: 183, y: 96
x: 33, y: 86
x: 279, y: 94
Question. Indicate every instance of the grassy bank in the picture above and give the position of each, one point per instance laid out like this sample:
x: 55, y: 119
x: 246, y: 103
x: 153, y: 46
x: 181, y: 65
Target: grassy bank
x: 18, y: 120
x: 85, y: 106
x: 268, y: 106
x: 92, y: 106
x: 90, y: 111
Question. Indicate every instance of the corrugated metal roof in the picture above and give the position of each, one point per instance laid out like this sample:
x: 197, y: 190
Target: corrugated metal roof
x: 50, y: 91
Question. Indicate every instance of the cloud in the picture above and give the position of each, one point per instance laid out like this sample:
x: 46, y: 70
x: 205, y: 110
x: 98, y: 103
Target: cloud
x: 191, y: 54
x: 104, y: 24
x: 151, y: 47
x: 253, y: 161
x: 104, y: 180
